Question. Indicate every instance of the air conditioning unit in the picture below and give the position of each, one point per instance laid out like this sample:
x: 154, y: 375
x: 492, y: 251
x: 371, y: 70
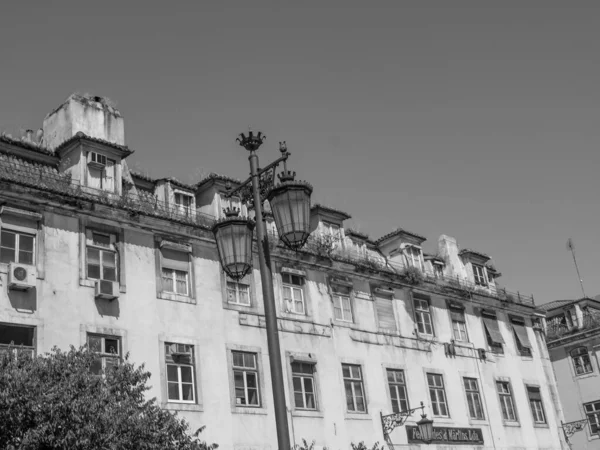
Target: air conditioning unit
x: 106, y: 289
x: 96, y: 160
x: 21, y: 277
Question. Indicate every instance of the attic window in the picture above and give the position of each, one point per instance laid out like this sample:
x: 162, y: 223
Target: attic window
x: 184, y: 203
x: 413, y: 256
x: 101, y: 172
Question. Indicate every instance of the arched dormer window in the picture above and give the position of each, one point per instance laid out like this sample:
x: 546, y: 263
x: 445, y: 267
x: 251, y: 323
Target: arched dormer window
x: 581, y: 361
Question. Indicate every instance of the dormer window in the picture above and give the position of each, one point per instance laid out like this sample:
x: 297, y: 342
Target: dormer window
x: 331, y: 229
x: 479, y: 275
x: 413, y: 256
x: 184, y: 203
x: 101, y: 172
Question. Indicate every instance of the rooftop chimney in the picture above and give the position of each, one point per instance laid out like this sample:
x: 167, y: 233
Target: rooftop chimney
x: 91, y: 115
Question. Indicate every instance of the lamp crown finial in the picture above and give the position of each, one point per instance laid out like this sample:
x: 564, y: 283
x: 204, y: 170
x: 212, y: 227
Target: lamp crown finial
x: 231, y: 211
x: 252, y: 141
x: 287, y: 175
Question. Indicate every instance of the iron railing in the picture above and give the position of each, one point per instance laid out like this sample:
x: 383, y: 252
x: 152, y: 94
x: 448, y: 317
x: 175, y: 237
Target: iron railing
x: 43, y: 178
x: 556, y: 330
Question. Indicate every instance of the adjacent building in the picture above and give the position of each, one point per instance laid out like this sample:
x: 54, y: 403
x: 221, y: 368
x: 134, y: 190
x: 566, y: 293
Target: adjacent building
x: 94, y: 253
x: 573, y: 337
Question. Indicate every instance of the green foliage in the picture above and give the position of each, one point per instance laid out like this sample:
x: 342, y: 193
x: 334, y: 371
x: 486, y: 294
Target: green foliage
x: 412, y: 275
x: 54, y: 402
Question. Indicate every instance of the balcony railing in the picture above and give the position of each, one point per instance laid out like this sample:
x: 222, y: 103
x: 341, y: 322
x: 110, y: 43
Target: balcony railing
x: 41, y: 177
x: 335, y: 249
x: 558, y: 330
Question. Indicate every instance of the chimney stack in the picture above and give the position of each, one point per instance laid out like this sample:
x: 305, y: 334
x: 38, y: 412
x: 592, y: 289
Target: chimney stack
x: 90, y: 115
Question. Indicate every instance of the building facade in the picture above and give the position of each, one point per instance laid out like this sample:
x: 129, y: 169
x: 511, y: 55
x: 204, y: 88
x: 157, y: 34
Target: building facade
x: 93, y: 253
x: 573, y: 337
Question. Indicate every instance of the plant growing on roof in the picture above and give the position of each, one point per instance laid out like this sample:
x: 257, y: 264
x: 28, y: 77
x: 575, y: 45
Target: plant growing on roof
x: 412, y: 275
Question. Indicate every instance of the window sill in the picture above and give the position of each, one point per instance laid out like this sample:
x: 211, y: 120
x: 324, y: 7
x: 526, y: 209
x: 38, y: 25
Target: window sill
x: 236, y: 307
x: 541, y: 425
x: 446, y: 420
x: 584, y: 375
x: 340, y: 323
x: 307, y: 413
x: 182, y: 407
x: 246, y: 410
x: 510, y: 424
x: 176, y: 297
x: 478, y: 422
x: 357, y: 416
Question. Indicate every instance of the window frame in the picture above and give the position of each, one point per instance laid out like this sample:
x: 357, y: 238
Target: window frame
x: 237, y: 292
x: 437, y: 389
x: 473, y: 395
x: 180, y: 381
x: 187, y: 211
x: 342, y: 292
x: 18, y: 234
x: 397, y: 387
x: 580, y: 356
x: 243, y: 409
x: 539, y: 402
x: 102, y: 354
x: 523, y: 351
x: 20, y: 348
x: 303, y: 377
x: 111, y: 249
x: 595, y: 413
x: 455, y: 310
x: 293, y: 287
x: 185, y: 249
x: 480, y: 279
x: 428, y: 313
x: 103, y: 171
x: 507, y: 395
x: 353, y: 381
x: 413, y: 253
x: 497, y: 348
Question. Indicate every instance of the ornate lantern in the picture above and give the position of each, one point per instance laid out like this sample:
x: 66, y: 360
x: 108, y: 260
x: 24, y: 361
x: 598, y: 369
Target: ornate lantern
x: 290, y: 205
x: 425, y: 426
x: 234, y: 242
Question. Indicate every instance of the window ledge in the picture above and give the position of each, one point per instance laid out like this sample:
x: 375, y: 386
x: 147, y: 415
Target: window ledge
x: 478, y: 421
x: 510, y: 424
x: 307, y: 413
x: 293, y: 316
x: 182, y: 407
x: 243, y: 410
x: 357, y: 416
x: 176, y: 297
x: 541, y: 425
x: 446, y: 420
x: 584, y: 375
x: 242, y: 308
x: 340, y: 323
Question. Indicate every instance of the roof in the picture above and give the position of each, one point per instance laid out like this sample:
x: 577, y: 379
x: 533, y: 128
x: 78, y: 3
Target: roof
x: 25, y: 144
x: 217, y: 177
x: 79, y: 135
x: 141, y: 176
x: 328, y: 209
x: 398, y: 231
x: 556, y: 304
x: 176, y: 182
x: 473, y: 252
x: 359, y: 234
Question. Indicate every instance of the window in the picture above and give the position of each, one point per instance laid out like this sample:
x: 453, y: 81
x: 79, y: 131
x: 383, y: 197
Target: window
x: 184, y: 203
x: 581, y: 361
x: 479, y: 275
x: 459, y: 325
x: 473, y: 398
x: 101, y: 256
x: 413, y: 256
x: 521, y: 338
x: 571, y: 318
x: 180, y: 373
x: 423, y: 315
x: 331, y: 229
x: 238, y: 293
x: 245, y: 376
x: 506, y: 401
x: 353, y: 385
x: 384, y: 310
x: 397, y: 386
x: 101, y: 172
x: 492, y: 333
x: 16, y: 247
x: 293, y: 293
x: 17, y: 339
x: 175, y: 271
x: 303, y: 378
x: 107, y: 349
x: 438, y: 270
x: 437, y: 394
x: 342, y: 307
x: 592, y: 410
x: 537, y: 408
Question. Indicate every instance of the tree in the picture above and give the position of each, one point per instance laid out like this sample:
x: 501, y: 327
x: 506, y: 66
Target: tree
x: 54, y: 402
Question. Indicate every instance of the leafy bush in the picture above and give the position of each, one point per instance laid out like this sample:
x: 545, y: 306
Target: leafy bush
x: 412, y: 275
x: 54, y: 402
x: 361, y: 446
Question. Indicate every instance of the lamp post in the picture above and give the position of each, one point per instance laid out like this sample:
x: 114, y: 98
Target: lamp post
x: 391, y: 421
x: 290, y: 204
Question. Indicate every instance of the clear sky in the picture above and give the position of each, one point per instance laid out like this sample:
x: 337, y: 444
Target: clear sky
x: 474, y: 119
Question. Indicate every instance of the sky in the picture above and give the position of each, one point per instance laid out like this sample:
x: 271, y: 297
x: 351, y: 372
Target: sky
x: 477, y: 120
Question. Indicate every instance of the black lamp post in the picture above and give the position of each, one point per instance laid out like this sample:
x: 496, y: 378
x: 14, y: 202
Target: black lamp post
x: 391, y: 421
x: 290, y: 204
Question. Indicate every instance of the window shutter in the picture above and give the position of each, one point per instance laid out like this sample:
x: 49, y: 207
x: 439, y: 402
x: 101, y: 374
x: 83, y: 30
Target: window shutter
x: 94, y: 178
x: 109, y: 175
x: 491, y: 325
x: 457, y: 315
x: 521, y: 333
x: 534, y: 393
x: 385, y: 313
x: 172, y: 259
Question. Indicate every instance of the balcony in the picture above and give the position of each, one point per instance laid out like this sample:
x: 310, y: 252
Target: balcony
x: 557, y: 330
x: 45, y: 178
x: 370, y: 261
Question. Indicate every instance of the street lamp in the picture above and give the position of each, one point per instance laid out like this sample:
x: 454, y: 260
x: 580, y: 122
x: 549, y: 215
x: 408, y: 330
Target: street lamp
x: 425, y: 427
x: 391, y: 421
x: 290, y: 204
